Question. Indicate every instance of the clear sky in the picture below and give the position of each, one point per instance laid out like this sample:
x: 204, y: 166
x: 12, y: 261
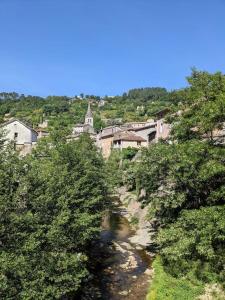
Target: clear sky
x: 105, y: 47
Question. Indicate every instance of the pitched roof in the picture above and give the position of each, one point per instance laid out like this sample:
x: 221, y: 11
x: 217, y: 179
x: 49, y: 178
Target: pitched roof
x: 109, y: 131
x: 153, y: 126
x: 128, y: 136
x: 21, y: 122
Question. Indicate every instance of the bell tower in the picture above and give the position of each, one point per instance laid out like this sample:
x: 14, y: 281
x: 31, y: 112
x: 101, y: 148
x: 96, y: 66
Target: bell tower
x: 89, y: 120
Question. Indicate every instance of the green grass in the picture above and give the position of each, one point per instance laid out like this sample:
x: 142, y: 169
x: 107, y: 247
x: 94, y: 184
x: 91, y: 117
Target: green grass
x: 166, y: 287
x: 134, y: 221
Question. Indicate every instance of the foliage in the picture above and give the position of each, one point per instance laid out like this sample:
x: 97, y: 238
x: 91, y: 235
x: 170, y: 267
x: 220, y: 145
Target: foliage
x: 182, y: 176
x: 203, y: 111
x: 147, y: 93
x: 129, y: 153
x: 113, y: 171
x: 164, y: 286
x: 196, y: 242
x: 134, y: 221
x: 184, y: 184
x: 51, y: 204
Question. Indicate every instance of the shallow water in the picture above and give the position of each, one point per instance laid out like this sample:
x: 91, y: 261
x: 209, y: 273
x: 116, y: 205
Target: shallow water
x: 123, y: 275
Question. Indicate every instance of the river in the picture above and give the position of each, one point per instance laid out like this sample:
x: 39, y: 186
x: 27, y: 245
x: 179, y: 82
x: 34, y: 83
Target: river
x: 126, y: 271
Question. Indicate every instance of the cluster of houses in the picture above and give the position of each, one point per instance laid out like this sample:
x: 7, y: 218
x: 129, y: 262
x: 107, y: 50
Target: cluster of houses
x: 133, y: 134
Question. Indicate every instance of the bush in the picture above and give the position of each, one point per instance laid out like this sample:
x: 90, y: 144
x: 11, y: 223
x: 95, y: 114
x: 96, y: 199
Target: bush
x: 164, y: 286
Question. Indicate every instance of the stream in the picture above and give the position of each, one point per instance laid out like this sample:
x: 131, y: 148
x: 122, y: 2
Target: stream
x: 125, y: 270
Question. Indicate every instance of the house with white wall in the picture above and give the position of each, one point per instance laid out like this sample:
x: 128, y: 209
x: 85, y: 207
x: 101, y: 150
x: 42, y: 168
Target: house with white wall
x: 22, y: 135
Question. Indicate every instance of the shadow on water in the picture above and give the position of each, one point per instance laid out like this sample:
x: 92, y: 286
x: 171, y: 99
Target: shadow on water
x: 115, y: 227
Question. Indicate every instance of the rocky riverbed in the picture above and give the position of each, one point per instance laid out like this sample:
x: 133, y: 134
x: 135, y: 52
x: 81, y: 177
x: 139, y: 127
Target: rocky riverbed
x: 127, y: 268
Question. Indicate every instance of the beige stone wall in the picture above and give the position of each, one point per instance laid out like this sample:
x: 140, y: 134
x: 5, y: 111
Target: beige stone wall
x: 162, y: 130
x: 134, y: 144
x: 105, y: 145
x: 25, y: 149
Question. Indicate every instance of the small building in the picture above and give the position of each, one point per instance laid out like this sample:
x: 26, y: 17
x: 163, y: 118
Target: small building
x: 87, y: 127
x: 42, y: 132
x: 105, y: 139
x: 147, y: 132
x: 43, y: 124
x: 22, y: 135
x: 125, y: 139
x: 101, y: 103
x: 82, y: 128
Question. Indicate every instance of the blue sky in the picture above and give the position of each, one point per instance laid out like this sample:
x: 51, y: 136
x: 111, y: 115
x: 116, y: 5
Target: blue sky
x: 105, y: 47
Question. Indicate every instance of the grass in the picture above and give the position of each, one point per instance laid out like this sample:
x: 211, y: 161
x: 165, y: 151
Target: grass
x: 166, y: 287
x: 134, y: 221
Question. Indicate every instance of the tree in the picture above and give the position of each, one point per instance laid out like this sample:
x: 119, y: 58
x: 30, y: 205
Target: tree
x: 184, y: 183
x: 203, y: 112
x: 51, y: 207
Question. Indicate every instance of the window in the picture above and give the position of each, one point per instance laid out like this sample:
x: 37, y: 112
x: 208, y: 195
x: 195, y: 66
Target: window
x: 139, y: 143
x: 15, y: 136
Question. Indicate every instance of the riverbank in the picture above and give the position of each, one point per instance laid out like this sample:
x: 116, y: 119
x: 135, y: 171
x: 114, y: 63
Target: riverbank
x: 164, y: 286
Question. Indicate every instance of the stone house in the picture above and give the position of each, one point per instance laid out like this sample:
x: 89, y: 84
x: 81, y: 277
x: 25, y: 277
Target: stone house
x: 143, y: 132
x: 125, y: 139
x: 42, y: 132
x: 147, y: 132
x: 23, y: 136
x: 105, y: 139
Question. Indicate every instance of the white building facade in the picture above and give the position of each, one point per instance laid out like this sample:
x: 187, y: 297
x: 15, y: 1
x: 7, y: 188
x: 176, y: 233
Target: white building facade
x: 23, y: 136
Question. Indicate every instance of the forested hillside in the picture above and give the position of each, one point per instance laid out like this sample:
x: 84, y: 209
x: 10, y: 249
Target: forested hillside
x: 63, y: 112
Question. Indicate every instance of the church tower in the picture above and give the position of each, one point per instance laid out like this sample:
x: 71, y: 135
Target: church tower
x: 89, y: 120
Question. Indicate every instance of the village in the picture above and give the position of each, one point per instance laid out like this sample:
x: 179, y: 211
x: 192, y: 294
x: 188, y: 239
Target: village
x: 133, y: 134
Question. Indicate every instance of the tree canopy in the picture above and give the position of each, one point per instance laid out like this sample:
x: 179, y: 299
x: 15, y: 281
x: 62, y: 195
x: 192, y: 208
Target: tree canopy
x: 51, y: 208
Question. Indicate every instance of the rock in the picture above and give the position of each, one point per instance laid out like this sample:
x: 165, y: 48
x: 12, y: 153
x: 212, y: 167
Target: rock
x: 149, y: 272
x: 138, y: 247
x: 126, y: 245
x: 124, y: 293
x: 142, y: 194
x: 134, y: 277
x: 131, y: 263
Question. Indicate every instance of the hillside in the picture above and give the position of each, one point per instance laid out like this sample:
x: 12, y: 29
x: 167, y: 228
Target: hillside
x: 63, y: 111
